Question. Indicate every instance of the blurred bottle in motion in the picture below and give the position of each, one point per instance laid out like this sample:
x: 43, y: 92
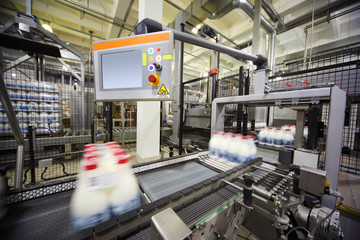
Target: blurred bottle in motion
x: 214, y: 144
x: 88, y: 204
x: 106, y: 186
x: 252, y: 148
x: 125, y: 196
x: 233, y: 149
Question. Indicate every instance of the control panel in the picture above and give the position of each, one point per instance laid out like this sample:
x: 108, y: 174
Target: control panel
x: 134, y: 68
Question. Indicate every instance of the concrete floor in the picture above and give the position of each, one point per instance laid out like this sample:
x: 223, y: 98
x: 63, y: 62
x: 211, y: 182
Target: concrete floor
x: 349, y: 187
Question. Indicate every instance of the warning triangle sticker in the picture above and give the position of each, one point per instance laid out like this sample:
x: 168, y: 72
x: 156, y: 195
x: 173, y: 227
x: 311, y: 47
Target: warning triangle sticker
x: 163, y: 90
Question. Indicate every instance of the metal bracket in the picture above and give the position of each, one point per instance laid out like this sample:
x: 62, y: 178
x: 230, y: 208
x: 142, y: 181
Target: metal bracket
x: 168, y: 225
x: 315, y: 100
x: 282, y: 223
x: 295, y: 101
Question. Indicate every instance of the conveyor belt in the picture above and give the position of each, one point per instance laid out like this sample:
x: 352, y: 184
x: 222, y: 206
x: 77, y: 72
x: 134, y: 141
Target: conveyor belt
x: 43, y: 218
x: 197, y: 211
x: 172, y: 179
x: 48, y: 217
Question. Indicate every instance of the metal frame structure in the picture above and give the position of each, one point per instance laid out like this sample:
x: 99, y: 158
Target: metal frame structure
x: 149, y: 26
x: 300, y: 98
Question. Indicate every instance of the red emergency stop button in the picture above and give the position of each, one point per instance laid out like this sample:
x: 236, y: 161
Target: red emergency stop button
x: 154, y: 80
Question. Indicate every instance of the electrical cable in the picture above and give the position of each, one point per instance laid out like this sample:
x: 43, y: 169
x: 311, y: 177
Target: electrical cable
x: 349, y: 209
x: 25, y: 174
x: 65, y: 174
x: 337, y: 195
x: 293, y: 229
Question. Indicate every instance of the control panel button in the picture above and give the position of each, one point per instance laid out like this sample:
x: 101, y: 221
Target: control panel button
x: 157, y: 66
x: 158, y: 49
x: 151, y: 50
x: 154, y: 80
x: 158, y: 58
x: 151, y: 59
x: 151, y: 68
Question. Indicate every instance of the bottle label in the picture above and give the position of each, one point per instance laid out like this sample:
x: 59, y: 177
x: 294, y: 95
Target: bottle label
x: 102, y: 181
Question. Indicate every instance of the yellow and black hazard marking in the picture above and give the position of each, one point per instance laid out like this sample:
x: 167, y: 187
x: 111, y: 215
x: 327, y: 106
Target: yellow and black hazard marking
x: 163, y: 90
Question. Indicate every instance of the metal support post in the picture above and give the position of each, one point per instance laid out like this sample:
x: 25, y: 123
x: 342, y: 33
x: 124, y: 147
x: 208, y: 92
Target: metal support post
x: 240, y: 112
x: 214, y: 86
x: 31, y: 137
x: 10, y: 113
x: 300, y: 114
x: 93, y: 131
x: 82, y: 85
x: 19, y: 166
x: 123, y: 121
x: 109, y: 121
x: 334, y: 141
x: 181, y: 91
x: 29, y: 7
x: 178, y: 79
x: 272, y: 52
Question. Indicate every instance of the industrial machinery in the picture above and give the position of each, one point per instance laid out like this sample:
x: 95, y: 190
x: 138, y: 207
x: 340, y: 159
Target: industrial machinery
x: 212, y: 199
x: 195, y: 196
x: 133, y: 68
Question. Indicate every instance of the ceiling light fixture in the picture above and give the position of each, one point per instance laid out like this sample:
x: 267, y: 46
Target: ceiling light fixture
x: 47, y: 27
x: 195, y: 30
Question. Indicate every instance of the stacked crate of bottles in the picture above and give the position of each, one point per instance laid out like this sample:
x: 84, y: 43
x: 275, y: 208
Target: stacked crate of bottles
x: 34, y: 102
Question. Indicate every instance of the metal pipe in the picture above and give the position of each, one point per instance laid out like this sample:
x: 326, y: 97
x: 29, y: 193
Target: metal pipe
x: 258, y: 60
x: 320, y: 12
x: 320, y: 22
x: 271, y: 11
x: 272, y: 52
x: 181, y: 92
x: 273, y: 172
x: 29, y: 7
x: 149, y: 25
x: 248, y: 8
x: 92, y: 12
x: 241, y: 189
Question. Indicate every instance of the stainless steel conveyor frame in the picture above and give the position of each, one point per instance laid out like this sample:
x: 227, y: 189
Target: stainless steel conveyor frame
x: 334, y: 95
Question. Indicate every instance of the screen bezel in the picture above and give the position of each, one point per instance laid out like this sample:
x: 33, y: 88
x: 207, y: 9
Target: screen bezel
x: 101, y: 69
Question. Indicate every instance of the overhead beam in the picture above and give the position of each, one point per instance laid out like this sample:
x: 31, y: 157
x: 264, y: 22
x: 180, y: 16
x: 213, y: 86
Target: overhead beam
x: 119, y: 10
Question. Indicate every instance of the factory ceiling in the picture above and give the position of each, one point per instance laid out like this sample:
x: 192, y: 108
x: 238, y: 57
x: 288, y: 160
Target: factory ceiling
x: 80, y: 22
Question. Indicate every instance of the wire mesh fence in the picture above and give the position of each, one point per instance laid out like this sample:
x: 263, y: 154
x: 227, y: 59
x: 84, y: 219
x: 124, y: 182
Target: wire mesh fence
x: 55, y: 112
x: 340, y: 67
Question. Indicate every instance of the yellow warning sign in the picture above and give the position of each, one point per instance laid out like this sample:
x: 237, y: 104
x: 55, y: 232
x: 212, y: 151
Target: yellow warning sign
x: 163, y: 90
